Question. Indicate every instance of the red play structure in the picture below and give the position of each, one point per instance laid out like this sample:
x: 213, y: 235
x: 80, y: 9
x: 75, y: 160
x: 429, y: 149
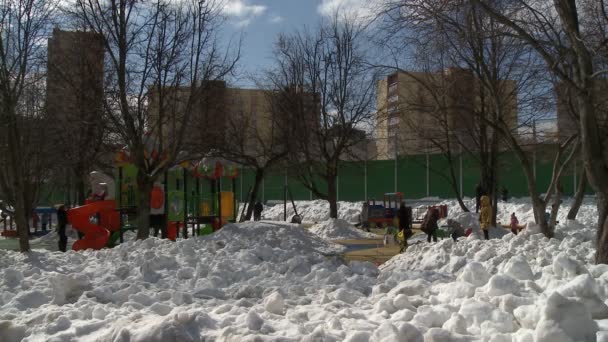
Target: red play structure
x: 96, y: 236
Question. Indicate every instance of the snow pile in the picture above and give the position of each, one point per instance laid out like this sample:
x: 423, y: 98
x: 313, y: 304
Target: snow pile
x: 284, y: 236
x: 254, y: 279
x: 265, y: 281
x: 522, y: 288
x: 314, y: 211
x: 336, y: 229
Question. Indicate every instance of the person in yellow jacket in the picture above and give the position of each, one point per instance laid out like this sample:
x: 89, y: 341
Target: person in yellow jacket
x: 485, y: 216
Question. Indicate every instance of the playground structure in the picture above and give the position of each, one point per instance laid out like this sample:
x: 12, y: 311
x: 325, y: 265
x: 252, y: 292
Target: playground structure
x: 384, y: 214
x: 10, y: 230
x: 209, y: 214
x: 104, y: 221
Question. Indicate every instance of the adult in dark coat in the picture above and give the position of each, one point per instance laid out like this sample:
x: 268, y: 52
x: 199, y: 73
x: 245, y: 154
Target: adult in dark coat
x: 405, y: 228
x: 62, y: 221
x: 430, y: 224
x: 257, y: 211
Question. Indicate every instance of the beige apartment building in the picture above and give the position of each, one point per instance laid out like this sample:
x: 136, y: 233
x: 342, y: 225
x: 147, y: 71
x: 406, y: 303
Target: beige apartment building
x: 247, y: 118
x: 417, y: 110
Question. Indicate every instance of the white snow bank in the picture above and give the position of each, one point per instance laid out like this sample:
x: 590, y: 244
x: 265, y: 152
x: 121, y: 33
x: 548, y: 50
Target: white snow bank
x: 271, y: 282
x: 336, y: 229
x: 523, y: 287
x: 314, y: 211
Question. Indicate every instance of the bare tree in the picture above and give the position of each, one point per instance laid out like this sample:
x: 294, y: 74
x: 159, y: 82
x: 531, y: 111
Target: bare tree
x: 23, y: 26
x: 323, y: 72
x: 574, y: 49
x: 75, y: 102
x: 506, y: 74
x: 160, y: 56
x: 254, y: 139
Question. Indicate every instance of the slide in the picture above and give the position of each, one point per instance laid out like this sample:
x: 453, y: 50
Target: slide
x: 95, y: 235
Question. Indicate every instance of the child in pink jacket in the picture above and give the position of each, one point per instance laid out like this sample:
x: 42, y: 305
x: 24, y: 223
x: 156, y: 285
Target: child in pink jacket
x: 514, y: 224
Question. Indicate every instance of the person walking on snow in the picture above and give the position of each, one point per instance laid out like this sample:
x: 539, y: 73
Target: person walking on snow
x: 485, y: 216
x: 514, y: 224
x: 429, y: 224
x: 405, y: 229
x: 258, y: 207
x: 62, y: 221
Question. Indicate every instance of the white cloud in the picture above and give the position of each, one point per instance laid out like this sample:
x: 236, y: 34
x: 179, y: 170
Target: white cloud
x: 277, y: 19
x: 242, y: 9
x: 364, y: 10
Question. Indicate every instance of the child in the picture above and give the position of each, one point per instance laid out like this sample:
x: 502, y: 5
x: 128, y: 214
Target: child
x: 455, y: 229
x: 514, y: 224
x: 46, y: 219
x: 389, y: 232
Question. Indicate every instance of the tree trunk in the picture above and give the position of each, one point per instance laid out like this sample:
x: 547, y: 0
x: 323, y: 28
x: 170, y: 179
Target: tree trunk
x: 22, y: 215
x: 80, y: 189
x: 259, y: 176
x: 455, y: 188
x: 601, y: 254
x: 143, y: 210
x: 557, y: 201
x: 578, y: 197
x: 332, y: 197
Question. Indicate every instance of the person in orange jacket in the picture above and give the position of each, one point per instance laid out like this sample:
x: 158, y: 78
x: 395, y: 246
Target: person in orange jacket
x: 485, y: 216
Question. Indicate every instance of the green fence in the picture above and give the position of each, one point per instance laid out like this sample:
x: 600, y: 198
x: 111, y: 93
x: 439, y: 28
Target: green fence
x: 416, y: 176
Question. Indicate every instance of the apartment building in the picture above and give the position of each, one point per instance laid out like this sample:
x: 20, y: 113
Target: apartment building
x: 418, y: 110
x: 254, y: 119
x: 75, y: 74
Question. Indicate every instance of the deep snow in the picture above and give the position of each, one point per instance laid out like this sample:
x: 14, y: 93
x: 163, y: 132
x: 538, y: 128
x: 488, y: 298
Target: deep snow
x: 338, y: 229
x: 277, y: 281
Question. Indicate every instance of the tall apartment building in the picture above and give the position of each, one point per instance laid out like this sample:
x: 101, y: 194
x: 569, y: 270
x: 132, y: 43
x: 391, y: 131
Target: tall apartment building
x: 75, y: 74
x: 414, y: 107
x: 219, y: 113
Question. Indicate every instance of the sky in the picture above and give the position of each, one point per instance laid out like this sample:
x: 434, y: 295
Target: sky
x: 260, y: 21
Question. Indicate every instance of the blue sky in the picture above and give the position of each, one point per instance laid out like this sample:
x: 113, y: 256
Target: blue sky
x: 262, y: 20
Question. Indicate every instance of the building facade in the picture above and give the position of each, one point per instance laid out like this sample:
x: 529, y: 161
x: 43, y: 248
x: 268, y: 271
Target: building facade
x: 75, y: 75
x: 417, y: 111
x: 252, y: 120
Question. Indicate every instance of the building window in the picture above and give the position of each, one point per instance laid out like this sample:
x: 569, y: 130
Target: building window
x: 393, y: 98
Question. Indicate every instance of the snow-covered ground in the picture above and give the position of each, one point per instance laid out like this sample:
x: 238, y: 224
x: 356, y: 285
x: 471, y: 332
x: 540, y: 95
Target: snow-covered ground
x: 314, y: 211
x: 338, y: 229
x: 269, y: 281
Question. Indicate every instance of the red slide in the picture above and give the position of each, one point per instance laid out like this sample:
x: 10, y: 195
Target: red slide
x: 95, y: 236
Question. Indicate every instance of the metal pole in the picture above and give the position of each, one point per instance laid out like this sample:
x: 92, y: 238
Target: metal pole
x: 428, y: 188
x: 219, y: 199
x: 285, y: 202
x: 365, y: 179
x: 120, y: 223
x: 285, y: 197
x: 461, y: 187
x: 396, y: 157
x: 185, y: 174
